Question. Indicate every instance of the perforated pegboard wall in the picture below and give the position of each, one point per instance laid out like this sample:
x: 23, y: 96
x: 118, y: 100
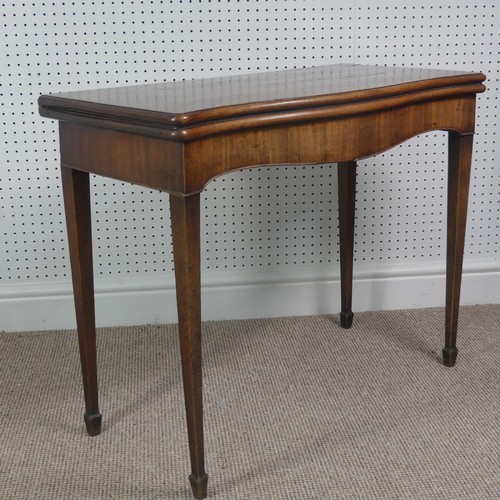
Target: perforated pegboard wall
x: 259, y: 219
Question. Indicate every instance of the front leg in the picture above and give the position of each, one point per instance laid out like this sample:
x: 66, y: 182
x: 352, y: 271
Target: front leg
x: 76, y: 191
x: 185, y: 216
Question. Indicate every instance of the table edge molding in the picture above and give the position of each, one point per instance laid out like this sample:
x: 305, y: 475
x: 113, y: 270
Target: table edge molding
x: 316, y: 110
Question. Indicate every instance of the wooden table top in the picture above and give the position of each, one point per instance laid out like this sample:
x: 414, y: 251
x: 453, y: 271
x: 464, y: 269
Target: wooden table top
x: 187, y: 104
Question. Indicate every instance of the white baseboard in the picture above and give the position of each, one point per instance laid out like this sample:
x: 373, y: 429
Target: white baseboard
x: 134, y: 301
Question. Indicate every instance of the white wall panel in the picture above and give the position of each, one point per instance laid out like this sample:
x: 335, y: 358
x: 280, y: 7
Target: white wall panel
x: 256, y: 222
x: 449, y: 35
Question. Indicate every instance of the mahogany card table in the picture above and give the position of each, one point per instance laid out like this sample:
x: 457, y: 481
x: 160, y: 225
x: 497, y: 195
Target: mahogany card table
x: 177, y: 136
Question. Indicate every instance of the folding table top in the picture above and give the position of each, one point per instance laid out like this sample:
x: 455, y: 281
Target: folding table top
x: 186, y: 104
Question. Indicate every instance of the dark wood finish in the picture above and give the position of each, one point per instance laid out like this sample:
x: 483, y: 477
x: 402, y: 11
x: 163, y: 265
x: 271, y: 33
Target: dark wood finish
x: 321, y: 141
x: 186, y: 110
x: 185, y: 168
x: 347, y: 201
x: 459, y: 165
x: 178, y: 136
x: 185, y: 216
x: 76, y: 190
x: 147, y: 161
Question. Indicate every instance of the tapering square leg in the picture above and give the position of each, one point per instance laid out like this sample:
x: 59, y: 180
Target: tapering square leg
x: 459, y: 166
x: 76, y: 191
x: 347, y: 201
x: 185, y: 216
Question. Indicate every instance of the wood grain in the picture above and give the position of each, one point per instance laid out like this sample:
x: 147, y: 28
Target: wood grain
x: 459, y: 166
x: 347, y: 202
x: 76, y: 191
x: 185, y: 216
x: 322, y: 141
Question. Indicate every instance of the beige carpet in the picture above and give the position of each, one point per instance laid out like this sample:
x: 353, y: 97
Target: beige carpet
x: 296, y: 408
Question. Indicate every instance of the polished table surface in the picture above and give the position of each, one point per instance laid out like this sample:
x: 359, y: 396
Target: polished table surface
x: 178, y: 136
